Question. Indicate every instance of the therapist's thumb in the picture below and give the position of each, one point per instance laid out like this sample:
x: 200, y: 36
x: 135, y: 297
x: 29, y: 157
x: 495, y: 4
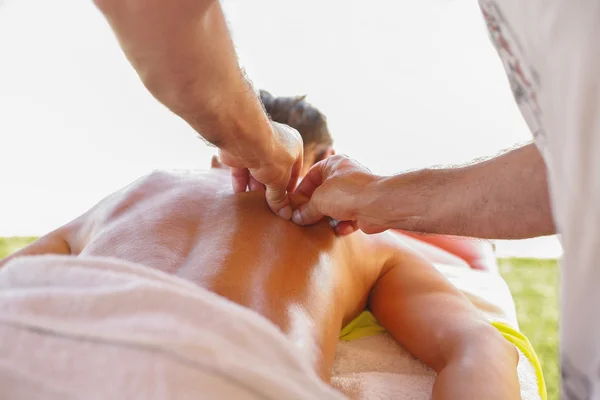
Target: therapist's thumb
x: 307, y: 213
x: 278, y: 200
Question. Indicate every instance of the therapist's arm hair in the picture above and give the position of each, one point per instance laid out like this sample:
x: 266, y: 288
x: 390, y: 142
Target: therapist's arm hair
x: 505, y: 197
x: 183, y: 52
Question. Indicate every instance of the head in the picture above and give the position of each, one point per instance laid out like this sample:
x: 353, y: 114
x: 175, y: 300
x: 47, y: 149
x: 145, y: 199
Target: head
x: 307, y: 120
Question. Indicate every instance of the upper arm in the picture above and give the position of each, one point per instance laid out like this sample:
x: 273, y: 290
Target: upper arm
x: 70, y: 238
x: 421, y: 309
x: 53, y: 243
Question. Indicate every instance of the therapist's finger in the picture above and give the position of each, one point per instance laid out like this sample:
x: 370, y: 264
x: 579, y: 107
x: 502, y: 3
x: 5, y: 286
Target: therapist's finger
x: 254, y: 185
x: 295, y: 175
x: 240, y: 178
x: 313, y: 179
x: 278, y: 200
x: 343, y: 228
x: 307, y: 213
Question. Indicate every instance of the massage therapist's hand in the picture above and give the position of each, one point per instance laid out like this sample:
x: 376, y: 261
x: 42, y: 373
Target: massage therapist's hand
x: 274, y: 166
x: 183, y: 53
x: 344, y: 190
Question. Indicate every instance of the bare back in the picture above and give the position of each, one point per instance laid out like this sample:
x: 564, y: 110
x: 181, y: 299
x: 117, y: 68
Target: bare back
x: 306, y: 280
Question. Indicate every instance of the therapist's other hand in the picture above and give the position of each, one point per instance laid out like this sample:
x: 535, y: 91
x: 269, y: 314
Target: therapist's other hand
x: 273, y: 166
x: 340, y: 188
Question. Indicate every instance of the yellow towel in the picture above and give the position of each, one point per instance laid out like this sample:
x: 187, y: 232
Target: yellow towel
x: 523, y: 344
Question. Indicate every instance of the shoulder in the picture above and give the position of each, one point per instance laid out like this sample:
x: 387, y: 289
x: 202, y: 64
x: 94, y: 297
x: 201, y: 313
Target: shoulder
x: 180, y: 182
x: 141, y: 193
x: 384, y: 244
x: 373, y: 254
x: 394, y: 250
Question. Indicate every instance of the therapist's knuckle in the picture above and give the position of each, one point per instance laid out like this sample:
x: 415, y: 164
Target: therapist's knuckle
x: 276, y: 199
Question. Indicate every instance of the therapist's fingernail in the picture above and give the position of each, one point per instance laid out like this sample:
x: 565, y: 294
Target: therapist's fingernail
x: 297, y: 218
x: 286, y: 212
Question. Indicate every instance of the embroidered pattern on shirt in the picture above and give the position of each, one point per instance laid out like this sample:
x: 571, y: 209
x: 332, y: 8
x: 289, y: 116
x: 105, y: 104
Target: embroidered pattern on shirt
x: 523, y: 78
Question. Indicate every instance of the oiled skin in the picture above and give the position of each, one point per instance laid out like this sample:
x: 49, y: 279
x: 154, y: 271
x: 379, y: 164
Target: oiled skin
x: 306, y: 280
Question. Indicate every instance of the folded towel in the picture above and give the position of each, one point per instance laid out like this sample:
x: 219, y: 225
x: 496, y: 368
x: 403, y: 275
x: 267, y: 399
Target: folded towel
x: 371, y: 365
x: 378, y: 368
x: 97, y: 328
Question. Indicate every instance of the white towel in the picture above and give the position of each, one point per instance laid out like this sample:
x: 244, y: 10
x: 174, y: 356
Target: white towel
x: 378, y: 368
x: 93, y: 328
x: 487, y: 291
x: 96, y: 328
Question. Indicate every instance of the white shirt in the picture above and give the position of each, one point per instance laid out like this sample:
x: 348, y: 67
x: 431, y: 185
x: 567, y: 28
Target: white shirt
x: 551, y: 52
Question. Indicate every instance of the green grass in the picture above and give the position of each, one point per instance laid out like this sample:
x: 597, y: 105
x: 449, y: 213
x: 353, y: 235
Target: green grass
x: 533, y: 284
x: 9, y: 245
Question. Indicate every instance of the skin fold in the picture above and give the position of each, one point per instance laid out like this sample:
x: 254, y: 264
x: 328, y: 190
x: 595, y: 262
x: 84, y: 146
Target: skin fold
x: 306, y: 280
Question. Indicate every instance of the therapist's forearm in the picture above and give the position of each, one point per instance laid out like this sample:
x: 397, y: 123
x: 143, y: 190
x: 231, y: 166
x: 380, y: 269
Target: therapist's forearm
x: 183, y: 53
x: 503, y: 198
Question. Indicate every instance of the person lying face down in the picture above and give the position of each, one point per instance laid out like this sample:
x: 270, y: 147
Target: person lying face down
x: 305, y: 280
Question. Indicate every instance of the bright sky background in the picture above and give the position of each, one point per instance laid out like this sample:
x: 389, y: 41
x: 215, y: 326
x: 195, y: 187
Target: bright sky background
x: 404, y: 84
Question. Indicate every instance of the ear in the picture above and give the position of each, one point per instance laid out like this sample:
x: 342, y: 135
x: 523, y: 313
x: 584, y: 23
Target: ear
x: 215, y: 162
x: 328, y: 152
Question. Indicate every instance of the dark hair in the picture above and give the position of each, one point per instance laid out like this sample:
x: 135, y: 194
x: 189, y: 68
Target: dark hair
x: 300, y: 115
